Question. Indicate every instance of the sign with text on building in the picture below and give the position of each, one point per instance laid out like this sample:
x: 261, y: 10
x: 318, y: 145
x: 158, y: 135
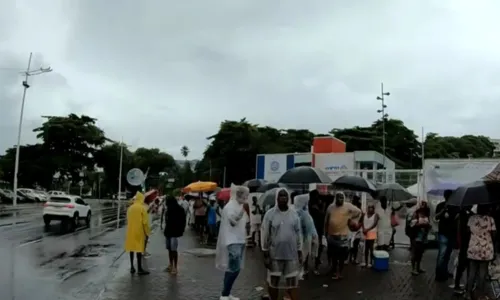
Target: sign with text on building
x: 334, y: 164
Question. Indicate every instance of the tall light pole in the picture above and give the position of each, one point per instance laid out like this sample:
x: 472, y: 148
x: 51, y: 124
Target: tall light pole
x: 26, y: 86
x: 384, y: 116
x: 120, y: 175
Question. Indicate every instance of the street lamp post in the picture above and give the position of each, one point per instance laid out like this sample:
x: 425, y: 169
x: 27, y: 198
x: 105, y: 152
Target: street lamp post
x: 27, y: 73
x: 384, y: 116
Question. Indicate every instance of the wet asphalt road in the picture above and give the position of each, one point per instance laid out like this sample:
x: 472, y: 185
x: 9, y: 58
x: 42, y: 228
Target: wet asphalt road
x: 39, y: 262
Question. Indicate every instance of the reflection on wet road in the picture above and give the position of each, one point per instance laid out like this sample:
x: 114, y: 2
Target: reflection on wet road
x: 35, y: 259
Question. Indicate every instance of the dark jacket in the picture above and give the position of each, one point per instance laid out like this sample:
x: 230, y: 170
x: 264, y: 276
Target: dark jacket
x: 318, y: 217
x: 175, y: 219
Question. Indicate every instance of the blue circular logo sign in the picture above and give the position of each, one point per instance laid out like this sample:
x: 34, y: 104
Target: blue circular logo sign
x: 275, y: 166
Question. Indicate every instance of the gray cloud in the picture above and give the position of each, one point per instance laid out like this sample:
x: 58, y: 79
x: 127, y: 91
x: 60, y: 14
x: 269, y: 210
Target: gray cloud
x: 165, y: 74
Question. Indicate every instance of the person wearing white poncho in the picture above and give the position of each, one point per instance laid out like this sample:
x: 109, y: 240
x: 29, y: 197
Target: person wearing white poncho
x: 281, y: 240
x: 232, y: 238
x: 310, y: 242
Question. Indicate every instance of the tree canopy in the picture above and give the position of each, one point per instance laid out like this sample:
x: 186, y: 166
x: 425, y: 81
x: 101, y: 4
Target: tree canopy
x: 73, y: 145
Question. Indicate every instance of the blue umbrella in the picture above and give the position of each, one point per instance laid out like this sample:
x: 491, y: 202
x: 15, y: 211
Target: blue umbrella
x: 438, y: 189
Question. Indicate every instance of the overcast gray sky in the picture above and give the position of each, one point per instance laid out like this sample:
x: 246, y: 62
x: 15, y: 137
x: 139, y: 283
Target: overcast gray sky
x: 166, y: 73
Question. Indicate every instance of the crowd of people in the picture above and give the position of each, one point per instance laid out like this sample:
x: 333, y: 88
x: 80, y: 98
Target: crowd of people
x: 294, y: 233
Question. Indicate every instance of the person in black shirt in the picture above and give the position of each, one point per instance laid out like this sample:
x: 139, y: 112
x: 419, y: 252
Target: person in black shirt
x: 317, y: 212
x: 174, y: 219
x: 462, y: 242
x: 446, y: 237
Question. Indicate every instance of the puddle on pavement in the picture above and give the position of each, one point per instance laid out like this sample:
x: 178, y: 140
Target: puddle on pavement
x: 85, y: 251
x: 79, y: 261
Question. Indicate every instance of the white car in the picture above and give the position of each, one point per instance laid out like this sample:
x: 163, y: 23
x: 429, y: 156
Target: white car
x: 56, y: 193
x: 67, y: 208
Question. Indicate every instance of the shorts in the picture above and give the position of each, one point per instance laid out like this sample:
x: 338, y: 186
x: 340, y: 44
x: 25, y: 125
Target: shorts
x: 284, y: 268
x: 235, y: 252
x: 172, y: 243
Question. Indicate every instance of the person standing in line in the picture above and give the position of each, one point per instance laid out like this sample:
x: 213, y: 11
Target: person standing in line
x: 462, y: 240
x: 337, y: 219
x: 232, y: 239
x: 481, y: 251
x: 446, y: 235
x: 369, y: 228
x: 255, y: 221
x: 211, y: 222
x: 420, y: 225
x: 175, y: 224
x: 308, y: 231
x: 200, y: 211
x: 282, y: 246
x: 138, y: 229
x: 317, y: 212
x: 384, y: 230
x: 357, y: 235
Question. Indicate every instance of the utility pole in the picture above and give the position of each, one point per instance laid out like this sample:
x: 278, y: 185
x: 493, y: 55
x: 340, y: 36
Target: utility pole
x: 119, y: 186
x: 26, y: 86
x: 381, y: 111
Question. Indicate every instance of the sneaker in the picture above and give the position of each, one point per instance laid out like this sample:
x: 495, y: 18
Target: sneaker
x: 458, y: 291
x: 369, y: 266
x: 143, y: 272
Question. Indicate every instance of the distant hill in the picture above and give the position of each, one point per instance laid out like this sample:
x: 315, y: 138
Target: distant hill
x: 181, y: 162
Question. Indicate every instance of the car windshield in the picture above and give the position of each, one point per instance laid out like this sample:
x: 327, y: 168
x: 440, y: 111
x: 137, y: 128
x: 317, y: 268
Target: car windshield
x: 59, y: 200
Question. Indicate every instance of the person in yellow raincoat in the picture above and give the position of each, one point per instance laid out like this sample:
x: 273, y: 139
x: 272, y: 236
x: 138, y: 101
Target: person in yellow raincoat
x: 138, y: 229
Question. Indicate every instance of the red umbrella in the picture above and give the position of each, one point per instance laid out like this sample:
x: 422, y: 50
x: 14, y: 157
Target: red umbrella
x: 150, y: 196
x: 224, y: 194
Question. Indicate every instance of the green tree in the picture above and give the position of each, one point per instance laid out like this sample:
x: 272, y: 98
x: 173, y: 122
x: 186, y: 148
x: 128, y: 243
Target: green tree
x: 466, y: 146
x: 184, y: 151
x: 35, y: 166
x: 402, y: 145
x: 108, y: 158
x: 71, y: 141
x: 236, y: 144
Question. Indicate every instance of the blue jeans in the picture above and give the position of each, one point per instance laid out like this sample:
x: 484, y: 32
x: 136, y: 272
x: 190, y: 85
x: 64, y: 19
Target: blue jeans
x: 443, y: 258
x: 235, y: 252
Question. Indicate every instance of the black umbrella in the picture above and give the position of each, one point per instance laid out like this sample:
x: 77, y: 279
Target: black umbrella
x: 254, y: 184
x: 304, y: 175
x: 268, y: 199
x: 355, y: 183
x: 477, y: 192
x: 269, y: 186
x: 394, y: 192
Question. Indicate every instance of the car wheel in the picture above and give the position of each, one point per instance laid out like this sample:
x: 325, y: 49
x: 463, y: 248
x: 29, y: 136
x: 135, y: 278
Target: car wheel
x: 74, y: 222
x: 46, y: 220
x: 88, y: 219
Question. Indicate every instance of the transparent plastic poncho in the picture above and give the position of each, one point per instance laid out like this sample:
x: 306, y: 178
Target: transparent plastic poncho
x: 232, y: 227
x: 310, y: 242
x: 281, y: 236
